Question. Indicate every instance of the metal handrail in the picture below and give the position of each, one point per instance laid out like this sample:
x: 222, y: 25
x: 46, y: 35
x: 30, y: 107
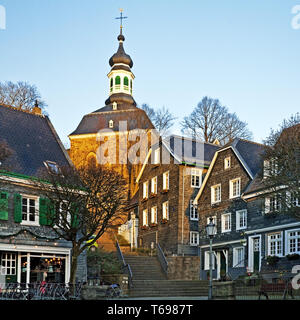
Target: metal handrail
x: 162, y: 259
x: 125, y: 265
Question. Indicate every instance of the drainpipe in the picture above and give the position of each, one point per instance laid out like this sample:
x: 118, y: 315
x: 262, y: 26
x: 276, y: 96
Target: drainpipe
x: 182, y: 217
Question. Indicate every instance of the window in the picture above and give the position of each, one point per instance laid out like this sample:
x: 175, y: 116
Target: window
x: 64, y: 218
x: 118, y: 80
x: 52, y: 167
x: 165, y: 210
x: 270, y: 168
x: 214, y: 220
x: 272, y: 204
x: 157, y: 156
x: 238, y: 257
x: 154, y: 185
x: 145, y: 190
x: 111, y: 83
x: 234, y: 188
x: 227, y: 163
x: 295, y: 200
x: 226, y: 222
x: 8, y: 264
x: 193, y: 211
x: 241, y: 219
x: 29, y: 210
x: 126, y: 82
x: 154, y: 215
x: 115, y: 106
x: 196, y: 178
x: 111, y: 124
x: 206, y: 260
x: 275, y: 244
x: 216, y: 193
x: 145, y: 217
x: 293, y: 241
x: 166, y: 181
x: 194, y: 238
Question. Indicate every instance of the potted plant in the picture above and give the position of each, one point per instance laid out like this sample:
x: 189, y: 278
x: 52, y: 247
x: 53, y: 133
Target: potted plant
x: 294, y: 256
x: 272, y: 260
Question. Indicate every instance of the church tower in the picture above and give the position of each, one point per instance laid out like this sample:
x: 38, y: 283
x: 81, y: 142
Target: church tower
x: 120, y: 118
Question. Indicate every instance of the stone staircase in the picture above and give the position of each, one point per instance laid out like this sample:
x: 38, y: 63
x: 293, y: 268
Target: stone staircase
x: 149, y: 280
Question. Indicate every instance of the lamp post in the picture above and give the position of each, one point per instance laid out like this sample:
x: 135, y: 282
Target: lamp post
x: 210, y: 231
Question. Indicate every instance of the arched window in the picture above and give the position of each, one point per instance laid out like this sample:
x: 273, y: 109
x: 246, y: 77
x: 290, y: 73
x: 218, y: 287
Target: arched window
x: 111, y: 82
x: 118, y: 80
x: 126, y: 81
x: 131, y: 86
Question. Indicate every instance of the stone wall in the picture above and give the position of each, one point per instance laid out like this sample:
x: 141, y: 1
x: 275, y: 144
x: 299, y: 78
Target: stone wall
x: 183, y: 268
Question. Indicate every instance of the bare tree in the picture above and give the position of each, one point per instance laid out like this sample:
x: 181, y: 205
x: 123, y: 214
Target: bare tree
x: 281, y: 172
x: 162, y: 118
x: 20, y: 95
x: 81, y: 205
x: 210, y: 121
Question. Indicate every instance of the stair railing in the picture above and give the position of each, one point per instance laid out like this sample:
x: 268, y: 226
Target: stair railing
x: 162, y: 259
x: 126, y: 267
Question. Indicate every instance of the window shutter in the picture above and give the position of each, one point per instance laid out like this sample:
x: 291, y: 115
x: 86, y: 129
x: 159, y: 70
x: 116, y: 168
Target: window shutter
x: 74, y: 216
x: 3, y: 205
x: 46, y: 212
x: 18, y: 208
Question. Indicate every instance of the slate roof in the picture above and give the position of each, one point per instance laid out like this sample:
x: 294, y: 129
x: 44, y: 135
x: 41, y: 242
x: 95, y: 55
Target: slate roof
x: 98, y: 120
x: 191, y: 151
x: 33, y: 140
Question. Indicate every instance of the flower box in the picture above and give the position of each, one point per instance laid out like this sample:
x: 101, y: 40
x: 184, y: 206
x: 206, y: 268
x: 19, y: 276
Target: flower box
x: 165, y: 191
x: 153, y: 225
x: 164, y: 221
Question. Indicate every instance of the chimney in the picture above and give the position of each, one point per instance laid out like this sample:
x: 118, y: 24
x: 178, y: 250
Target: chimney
x: 36, y: 109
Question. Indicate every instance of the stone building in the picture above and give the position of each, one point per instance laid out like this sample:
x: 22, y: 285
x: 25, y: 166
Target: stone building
x: 117, y: 135
x: 168, y: 184
x: 29, y: 250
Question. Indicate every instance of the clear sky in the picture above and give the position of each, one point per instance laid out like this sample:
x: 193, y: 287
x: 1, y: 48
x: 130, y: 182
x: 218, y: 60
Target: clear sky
x: 245, y: 53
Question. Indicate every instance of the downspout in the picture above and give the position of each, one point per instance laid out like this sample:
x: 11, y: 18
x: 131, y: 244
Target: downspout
x: 182, y: 217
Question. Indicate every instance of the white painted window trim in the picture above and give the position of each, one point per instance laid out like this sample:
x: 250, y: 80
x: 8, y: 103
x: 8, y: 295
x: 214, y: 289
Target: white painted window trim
x: 213, y: 193
x: 4, y: 265
x: 231, y: 182
x: 223, y: 216
x: 238, y: 213
x: 227, y: 163
x: 145, y: 190
x: 145, y: 217
x: 287, y: 238
x: 36, y: 221
x: 269, y: 246
x: 166, y: 176
x: 154, y: 214
x: 154, y: 185
x: 195, y: 172
x: 235, y: 262
x: 193, y: 211
x: 165, y: 210
x: 194, y: 235
x: 206, y: 260
x: 157, y: 156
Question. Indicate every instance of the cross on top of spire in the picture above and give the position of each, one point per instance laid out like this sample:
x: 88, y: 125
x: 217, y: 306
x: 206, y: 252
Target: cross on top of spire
x: 121, y: 19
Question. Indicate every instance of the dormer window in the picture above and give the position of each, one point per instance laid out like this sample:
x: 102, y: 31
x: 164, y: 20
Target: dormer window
x: 227, y: 163
x: 115, y: 106
x: 52, y: 167
x: 111, y: 124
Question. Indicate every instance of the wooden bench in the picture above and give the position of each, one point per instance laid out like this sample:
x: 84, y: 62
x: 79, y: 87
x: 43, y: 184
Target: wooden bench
x: 284, y: 288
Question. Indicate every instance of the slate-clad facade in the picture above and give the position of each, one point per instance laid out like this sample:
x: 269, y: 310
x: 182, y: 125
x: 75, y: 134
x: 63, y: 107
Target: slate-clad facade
x: 29, y: 250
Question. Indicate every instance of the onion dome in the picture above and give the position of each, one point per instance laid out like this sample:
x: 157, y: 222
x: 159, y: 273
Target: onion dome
x: 120, y: 56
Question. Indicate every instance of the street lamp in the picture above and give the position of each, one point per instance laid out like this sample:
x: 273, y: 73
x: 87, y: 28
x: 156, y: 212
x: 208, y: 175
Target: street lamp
x: 210, y: 231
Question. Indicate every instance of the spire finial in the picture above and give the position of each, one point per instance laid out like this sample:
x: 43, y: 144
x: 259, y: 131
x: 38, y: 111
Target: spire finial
x: 121, y: 20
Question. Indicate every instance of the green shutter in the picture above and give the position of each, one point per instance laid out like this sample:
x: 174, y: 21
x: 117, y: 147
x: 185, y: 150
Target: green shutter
x: 18, y: 208
x: 3, y: 205
x: 74, y: 216
x: 46, y: 212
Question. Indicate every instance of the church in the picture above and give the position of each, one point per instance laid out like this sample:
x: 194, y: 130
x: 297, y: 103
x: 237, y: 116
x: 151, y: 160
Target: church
x: 108, y: 135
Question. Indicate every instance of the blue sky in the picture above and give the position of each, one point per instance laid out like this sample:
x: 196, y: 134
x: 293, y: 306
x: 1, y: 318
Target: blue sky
x: 245, y: 53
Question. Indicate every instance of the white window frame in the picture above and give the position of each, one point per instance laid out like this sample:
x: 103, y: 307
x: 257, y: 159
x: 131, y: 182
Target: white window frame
x: 231, y: 188
x: 288, y: 238
x: 8, y: 269
x: 145, y: 217
x: 193, y: 211
x: 194, y: 238
x: 146, y: 190
x: 206, y: 260
x: 223, y: 222
x: 165, y: 210
x: 227, y: 163
x: 214, y: 221
x: 157, y: 156
x: 276, y: 242
x: 196, y: 177
x: 268, y: 204
x: 110, y: 124
x: 154, y: 185
x: 238, y: 219
x: 236, y: 263
x: 166, y: 176
x: 36, y: 213
x: 154, y: 214
x: 213, y: 194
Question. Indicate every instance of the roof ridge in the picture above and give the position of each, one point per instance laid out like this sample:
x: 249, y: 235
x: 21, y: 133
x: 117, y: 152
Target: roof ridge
x: 253, y: 142
x: 113, y: 111
x: 21, y: 110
